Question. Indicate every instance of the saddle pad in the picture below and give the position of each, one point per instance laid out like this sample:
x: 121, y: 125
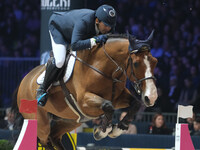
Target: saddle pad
x: 69, y: 70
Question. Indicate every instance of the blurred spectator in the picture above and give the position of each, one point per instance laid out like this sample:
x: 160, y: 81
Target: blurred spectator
x: 194, y: 76
x: 188, y: 94
x: 158, y: 125
x: 8, y: 121
x: 156, y: 51
x: 161, y: 104
x: 173, y: 94
x: 19, y: 20
x: 44, y: 57
x: 176, y: 42
x: 196, y: 126
x: 132, y: 129
x: 190, y: 122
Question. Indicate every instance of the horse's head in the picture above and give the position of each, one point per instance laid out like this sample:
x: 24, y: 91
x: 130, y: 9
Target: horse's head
x: 140, y: 69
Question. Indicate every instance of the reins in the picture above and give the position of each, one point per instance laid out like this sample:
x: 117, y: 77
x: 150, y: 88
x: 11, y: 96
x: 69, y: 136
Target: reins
x: 114, y: 80
x: 137, y: 82
x: 90, y: 66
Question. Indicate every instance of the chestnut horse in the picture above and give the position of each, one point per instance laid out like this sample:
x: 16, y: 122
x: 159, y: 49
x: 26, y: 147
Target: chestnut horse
x: 97, y: 87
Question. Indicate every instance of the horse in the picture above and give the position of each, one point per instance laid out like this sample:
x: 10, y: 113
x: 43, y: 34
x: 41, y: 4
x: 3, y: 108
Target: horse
x: 97, y: 87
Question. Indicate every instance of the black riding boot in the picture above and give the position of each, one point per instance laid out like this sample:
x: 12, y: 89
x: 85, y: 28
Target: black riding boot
x: 50, y: 76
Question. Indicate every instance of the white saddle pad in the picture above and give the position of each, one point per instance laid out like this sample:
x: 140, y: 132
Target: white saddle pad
x: 70, y: 67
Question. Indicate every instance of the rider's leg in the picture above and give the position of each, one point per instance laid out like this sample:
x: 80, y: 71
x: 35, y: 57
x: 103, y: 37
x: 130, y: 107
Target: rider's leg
x: 52, y: 70
x: 50, y: 75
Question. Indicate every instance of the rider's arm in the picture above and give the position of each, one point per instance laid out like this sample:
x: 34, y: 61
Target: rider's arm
x: 78, y: 33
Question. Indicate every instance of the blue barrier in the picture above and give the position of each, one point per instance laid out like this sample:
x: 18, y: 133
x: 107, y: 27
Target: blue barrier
x: 131, y: 141
x: 134, y: 141
x: 9, y: 135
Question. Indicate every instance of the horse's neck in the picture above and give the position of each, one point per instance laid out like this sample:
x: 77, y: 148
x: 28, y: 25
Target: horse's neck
x: 117, y: 50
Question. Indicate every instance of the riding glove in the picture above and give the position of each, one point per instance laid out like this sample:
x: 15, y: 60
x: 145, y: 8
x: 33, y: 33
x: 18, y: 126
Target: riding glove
x: 101, y: 39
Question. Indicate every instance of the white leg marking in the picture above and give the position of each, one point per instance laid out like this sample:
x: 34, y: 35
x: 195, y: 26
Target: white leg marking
x: 115, y: 132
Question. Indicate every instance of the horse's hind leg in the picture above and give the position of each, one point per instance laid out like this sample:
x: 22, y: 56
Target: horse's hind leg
x: 106, y: 126
x: 43, y: 130
x: 108, y: 109
x: 59, y: 128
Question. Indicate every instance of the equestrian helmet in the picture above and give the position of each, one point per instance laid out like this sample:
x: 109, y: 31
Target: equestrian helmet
x: 107, y: 15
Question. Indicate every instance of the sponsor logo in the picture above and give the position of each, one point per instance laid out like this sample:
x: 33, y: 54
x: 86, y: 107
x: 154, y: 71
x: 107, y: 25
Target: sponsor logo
x: 55, y: 4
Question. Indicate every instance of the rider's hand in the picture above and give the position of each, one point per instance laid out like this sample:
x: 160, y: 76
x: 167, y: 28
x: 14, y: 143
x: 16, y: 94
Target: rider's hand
x: 101, y: 39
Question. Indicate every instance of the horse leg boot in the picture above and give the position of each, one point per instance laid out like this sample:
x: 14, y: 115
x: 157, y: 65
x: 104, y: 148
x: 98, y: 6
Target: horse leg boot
x: 132, y: 110
x: 125, y: 100
x: 50, y: 76
x: 124, y: 123
x: 106, y: 126
x: 108, y: 108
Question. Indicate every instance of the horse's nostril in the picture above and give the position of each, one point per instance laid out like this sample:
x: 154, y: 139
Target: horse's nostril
x: 147, y: 101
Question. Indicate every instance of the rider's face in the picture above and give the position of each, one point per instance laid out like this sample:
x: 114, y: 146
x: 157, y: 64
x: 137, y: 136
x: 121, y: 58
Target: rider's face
x: 102, y: 27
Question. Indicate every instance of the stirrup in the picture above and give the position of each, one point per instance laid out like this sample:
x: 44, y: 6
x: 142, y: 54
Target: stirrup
x: 41, y: 98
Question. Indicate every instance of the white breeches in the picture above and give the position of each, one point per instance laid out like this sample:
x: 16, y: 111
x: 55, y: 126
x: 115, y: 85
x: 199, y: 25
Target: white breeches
x: 59, y: 51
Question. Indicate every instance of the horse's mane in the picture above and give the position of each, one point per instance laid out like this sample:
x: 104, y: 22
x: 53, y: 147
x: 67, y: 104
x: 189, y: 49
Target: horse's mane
x: 118, y: 36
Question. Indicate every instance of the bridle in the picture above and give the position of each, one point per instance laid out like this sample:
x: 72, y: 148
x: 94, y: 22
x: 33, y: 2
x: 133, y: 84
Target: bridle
x: 136, y: 84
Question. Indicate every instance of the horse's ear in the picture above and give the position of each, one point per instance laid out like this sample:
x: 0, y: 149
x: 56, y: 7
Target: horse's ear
x: 131, y: 41
x: 150, y: 38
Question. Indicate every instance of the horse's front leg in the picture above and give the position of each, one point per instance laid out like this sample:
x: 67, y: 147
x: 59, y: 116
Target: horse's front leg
x: 102, y: 131
x: 134, y: 106
x: 100, y: 106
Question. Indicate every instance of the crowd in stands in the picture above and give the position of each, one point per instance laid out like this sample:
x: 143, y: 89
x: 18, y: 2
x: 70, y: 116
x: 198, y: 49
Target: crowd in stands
x: 20, y: 28
x: 8, y: 121
x: 176, y: 43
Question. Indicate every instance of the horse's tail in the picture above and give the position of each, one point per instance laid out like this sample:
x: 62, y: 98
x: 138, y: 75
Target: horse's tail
x: 18, y: 120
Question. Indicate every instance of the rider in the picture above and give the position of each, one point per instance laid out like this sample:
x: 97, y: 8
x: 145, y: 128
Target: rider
x: 82, y: 29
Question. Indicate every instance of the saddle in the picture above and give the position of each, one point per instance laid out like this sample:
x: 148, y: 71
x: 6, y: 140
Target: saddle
x: 65, y: 73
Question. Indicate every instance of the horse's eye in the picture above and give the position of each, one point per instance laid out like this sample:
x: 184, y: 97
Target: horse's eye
x: 136, y: 64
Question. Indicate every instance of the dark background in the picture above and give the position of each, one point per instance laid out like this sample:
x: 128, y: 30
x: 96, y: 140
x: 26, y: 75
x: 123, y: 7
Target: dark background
x: 176, y: 44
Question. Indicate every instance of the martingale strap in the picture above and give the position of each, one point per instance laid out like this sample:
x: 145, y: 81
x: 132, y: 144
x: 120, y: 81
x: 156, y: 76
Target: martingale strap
x: 69, y: 99
x: 73, y: 105
x: 67, y: 95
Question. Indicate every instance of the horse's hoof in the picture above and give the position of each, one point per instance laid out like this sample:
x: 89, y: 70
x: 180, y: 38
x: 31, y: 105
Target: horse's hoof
x: 96, y: 134
x: 115, y: 132
x: 99, y: 134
